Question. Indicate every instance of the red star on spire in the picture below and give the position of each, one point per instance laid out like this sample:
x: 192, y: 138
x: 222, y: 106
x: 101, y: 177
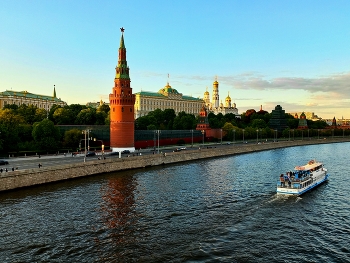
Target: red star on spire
x: 122, y: 29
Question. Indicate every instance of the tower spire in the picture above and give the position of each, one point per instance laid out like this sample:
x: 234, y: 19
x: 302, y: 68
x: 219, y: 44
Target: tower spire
x: 54, y: 91
x: 122, y: 38
x: 122, y: 69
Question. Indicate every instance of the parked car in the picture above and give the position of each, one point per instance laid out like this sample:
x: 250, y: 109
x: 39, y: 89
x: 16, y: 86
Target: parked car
x: 126, y: 151
x: 177, y: 150
x: 183, y: 148
x: 2, y: 162
x: 90, y: 154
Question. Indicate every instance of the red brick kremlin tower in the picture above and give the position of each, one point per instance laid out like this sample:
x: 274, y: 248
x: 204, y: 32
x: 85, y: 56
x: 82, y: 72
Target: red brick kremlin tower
x: 122, y: 105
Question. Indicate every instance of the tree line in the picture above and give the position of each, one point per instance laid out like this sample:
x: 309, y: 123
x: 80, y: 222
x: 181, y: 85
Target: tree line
x: 28, y: 128
x: 247, y: 125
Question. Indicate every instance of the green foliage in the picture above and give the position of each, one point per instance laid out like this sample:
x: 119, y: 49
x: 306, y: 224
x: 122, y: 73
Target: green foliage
x: 151, y: 127
x: 86, y: 117
x: 103, y: 108
x: 317, y: 124
x: 160, y: 119
x: 258, y: 123
x: 100, y: 117
x: 46, y: 135
x: 63, y: 116
x: 9, y: 128
x: 72, y: 138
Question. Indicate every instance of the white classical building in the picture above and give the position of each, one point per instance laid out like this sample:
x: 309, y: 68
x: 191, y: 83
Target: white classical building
x: 215, y: 107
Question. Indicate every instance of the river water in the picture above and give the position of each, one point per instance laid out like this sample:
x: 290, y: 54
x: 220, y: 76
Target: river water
x: 215, y: 210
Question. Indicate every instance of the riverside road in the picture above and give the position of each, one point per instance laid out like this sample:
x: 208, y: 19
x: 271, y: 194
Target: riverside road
x: 31, y: 162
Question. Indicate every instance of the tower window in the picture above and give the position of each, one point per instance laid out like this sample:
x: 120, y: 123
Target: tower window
x: 122, y: 109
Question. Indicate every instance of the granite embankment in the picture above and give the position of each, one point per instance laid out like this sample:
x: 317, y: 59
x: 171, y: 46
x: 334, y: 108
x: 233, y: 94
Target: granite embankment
x: 31, y: 177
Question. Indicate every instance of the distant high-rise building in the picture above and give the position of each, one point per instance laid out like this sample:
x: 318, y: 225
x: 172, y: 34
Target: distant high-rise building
x: 278, y: 119
x: 122, y: 105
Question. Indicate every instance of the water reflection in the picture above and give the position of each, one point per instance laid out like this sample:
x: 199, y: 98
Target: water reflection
x: 215, y: 210
x: 117, y: 210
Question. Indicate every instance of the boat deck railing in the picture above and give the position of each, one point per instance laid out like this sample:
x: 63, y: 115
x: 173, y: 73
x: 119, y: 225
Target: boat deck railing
x: 295, y: 183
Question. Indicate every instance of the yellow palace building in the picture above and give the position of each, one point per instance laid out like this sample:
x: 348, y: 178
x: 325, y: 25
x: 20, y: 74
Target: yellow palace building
x: 166, y: 98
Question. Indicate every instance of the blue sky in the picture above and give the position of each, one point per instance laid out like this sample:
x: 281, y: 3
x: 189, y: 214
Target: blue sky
x: 292, y: 53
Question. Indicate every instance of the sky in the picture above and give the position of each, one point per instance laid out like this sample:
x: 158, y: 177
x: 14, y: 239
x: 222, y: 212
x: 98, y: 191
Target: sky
x: 293, y: 53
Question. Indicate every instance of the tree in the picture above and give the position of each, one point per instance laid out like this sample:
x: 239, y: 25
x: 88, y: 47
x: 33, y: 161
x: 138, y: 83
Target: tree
x: 104, y: 108
x: 40, y: 114
x: 258, y: 123
x: 100, y: 118
x: 46, y: 135
x: 27, y: 112
x: 72, y: 138
x: 228, y: 130
x: 63, y: 116
x: 9, y: 129
x: 52, y: 111
x: 86, y: 117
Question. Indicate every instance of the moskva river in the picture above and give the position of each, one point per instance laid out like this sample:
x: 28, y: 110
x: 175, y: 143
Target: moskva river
x: 216, y: 210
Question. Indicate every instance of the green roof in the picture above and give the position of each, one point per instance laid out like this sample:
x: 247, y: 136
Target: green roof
x: 26, y: 94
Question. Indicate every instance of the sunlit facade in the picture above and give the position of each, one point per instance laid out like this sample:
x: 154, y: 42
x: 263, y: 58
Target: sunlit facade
x: 166, y: 98
x: 19, y: 98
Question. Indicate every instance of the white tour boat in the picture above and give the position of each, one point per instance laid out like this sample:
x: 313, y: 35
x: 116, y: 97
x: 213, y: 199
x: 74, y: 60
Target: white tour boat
x: 302, y: 179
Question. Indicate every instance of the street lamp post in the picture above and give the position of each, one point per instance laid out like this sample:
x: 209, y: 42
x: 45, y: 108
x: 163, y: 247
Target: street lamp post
x: 203, y: 136
x: 89, y: 140
x: 221, y: 135
x: 289, y: 135
x: 158, y: 132
x: 192, y: 138
x: 243, y: 135
x: 276, y: 134
x: 102, y: 145
x: 257, y: 136
x: 87, y: 131
x: 84, y: 132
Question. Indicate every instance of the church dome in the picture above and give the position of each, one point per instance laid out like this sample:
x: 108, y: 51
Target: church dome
x: 168, y: 89
x: 228, y: 98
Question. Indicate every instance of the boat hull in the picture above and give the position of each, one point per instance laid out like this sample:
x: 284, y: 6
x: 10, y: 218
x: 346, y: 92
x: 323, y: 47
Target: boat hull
x: 300, y: 191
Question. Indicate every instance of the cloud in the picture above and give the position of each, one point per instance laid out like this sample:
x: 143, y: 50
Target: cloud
x: 338, y: 84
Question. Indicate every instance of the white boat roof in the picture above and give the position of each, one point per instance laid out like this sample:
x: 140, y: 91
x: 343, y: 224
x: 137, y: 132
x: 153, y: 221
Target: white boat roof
x: 310, y: 165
